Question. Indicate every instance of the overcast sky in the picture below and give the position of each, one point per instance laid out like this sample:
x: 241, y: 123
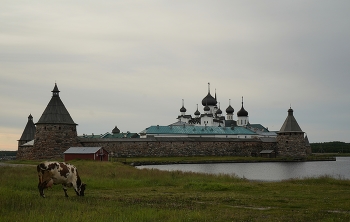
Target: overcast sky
x: 130, y: 63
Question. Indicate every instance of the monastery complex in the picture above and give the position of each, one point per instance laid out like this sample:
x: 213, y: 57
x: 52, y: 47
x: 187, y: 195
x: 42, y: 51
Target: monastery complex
x: 206, y: 133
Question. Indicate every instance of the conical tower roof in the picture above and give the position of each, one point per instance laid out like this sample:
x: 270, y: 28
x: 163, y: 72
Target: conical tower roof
x: 29, y: 130
x: 290, y: 124
x: 307, y: 143
x: 56, y: 112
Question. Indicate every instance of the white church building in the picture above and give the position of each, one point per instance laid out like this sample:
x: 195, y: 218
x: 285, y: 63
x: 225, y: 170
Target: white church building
x: 210, y: 123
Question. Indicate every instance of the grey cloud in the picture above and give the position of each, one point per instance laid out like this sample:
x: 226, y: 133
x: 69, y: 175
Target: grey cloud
x: 136, y: 61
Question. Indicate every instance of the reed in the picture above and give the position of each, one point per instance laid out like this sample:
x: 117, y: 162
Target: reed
x: 117, y: 192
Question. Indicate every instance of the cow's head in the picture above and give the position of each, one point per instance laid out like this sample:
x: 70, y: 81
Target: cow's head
x: 81, y: 189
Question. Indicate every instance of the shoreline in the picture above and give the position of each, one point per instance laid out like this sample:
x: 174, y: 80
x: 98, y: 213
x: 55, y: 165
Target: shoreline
x: 145, y: 163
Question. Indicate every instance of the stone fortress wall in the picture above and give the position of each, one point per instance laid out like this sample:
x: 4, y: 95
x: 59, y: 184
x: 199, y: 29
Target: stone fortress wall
x: 166, y: 147
x: 55, y: 132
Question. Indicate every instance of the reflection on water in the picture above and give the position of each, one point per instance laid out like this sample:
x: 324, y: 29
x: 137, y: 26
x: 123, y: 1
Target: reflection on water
x: 268, y: 171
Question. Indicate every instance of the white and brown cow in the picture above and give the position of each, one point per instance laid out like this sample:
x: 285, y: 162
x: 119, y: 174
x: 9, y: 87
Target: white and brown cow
x: 59, y: 173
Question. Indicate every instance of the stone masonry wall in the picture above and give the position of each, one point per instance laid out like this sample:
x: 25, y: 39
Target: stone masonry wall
x: 25, y: 153
x: 292, y: 145
x: 146, y: 148
x: 50, y: 142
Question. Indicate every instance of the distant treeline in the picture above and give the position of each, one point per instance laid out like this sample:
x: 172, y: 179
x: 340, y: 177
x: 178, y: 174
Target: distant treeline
x: 8, y: 153
x: 330, y: 147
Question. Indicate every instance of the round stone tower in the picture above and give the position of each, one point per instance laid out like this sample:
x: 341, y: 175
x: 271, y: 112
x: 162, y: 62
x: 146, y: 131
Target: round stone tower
x: 55, y: 130
x: 27, y: 136
x: 290, y: 139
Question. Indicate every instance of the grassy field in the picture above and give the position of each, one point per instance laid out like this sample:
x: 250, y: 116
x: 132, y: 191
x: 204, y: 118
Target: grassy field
x: 117, y: 192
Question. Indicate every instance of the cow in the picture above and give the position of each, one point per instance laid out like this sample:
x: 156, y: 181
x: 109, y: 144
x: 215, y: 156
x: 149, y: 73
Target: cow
x: 59, y: 173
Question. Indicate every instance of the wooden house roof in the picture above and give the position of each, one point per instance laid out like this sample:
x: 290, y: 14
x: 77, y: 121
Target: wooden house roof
x: 82, y: 150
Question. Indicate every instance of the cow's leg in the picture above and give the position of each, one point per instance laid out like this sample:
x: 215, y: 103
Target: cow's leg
x: 41, y: 190
x: 41, y: 187
x: 65, y: 190
x: 44, y: 181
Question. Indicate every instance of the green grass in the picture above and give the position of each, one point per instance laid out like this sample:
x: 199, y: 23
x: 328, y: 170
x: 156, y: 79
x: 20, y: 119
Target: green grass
x: 117, y: 192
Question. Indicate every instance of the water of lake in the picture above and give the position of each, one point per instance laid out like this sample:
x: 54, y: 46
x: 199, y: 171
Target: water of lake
x: 268, y: 171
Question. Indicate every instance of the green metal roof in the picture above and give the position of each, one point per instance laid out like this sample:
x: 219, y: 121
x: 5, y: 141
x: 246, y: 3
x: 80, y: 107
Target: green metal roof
x: 259, y: 127
x: 109, y: 135
x: 122, y: 135
x: 199, y: 130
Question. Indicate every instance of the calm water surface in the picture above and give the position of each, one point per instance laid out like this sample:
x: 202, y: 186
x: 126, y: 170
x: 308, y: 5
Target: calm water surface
x: 274, y: 171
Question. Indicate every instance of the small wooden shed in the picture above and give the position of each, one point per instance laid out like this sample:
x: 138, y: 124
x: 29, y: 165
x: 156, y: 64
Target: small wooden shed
x: 268, y: 154
x: 86, y: 153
